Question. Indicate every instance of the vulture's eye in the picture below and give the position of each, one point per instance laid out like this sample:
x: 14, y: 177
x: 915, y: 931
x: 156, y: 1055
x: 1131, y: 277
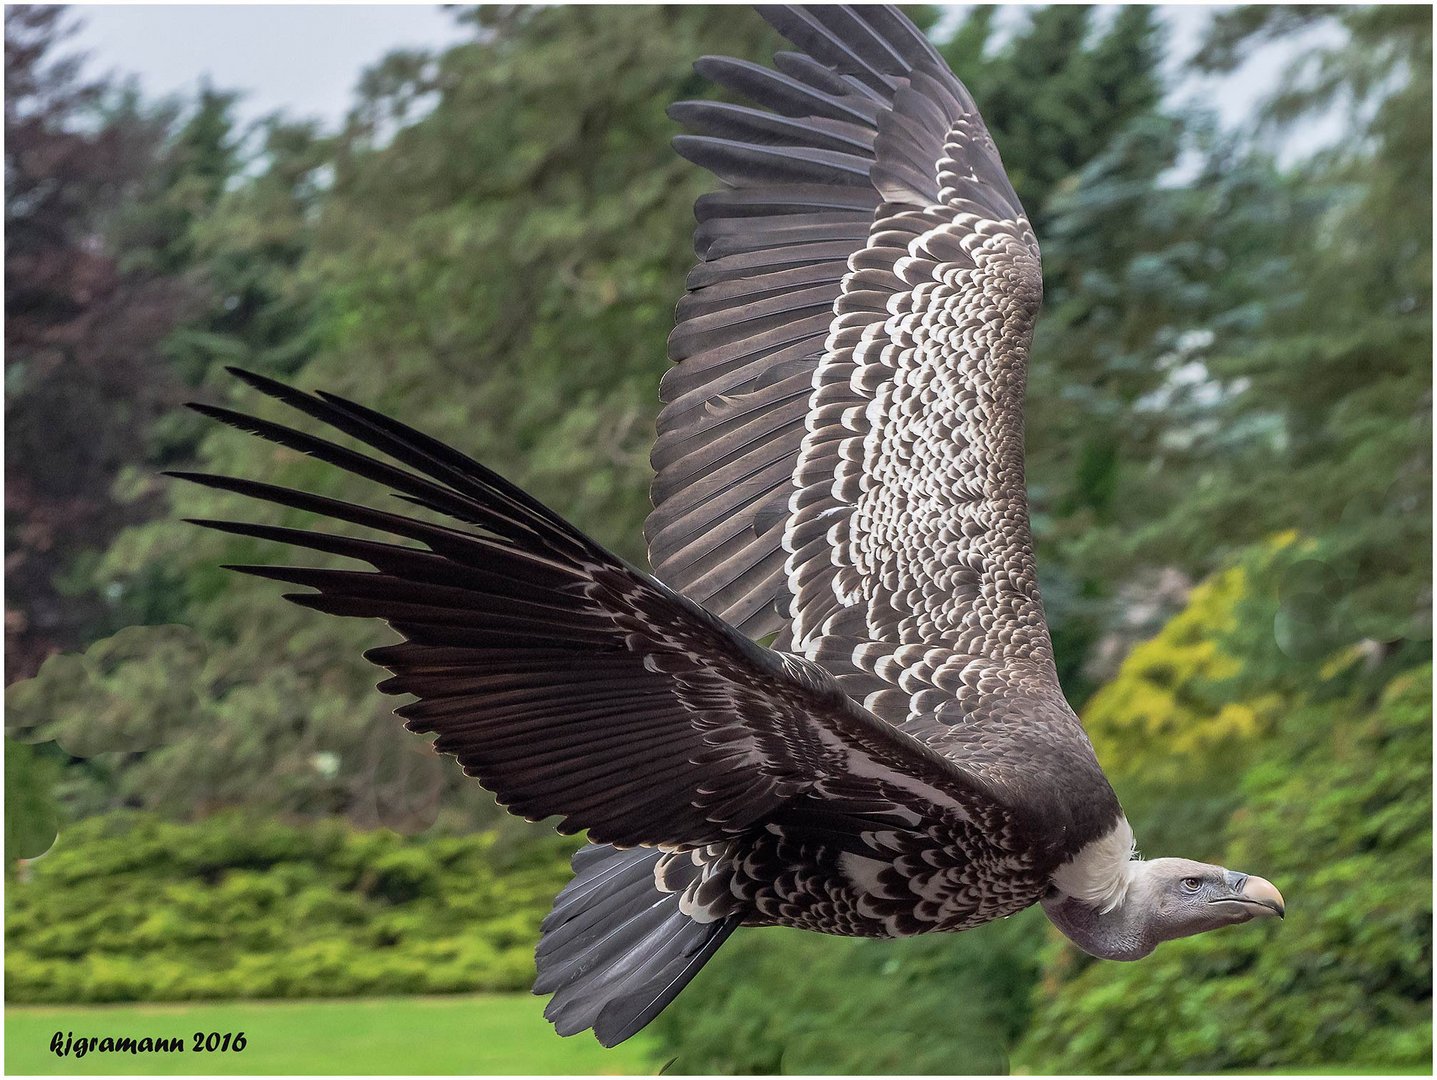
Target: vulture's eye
x: 1191, y: 884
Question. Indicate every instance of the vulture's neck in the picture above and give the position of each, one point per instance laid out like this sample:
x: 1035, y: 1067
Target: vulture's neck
x: 1097, y: 898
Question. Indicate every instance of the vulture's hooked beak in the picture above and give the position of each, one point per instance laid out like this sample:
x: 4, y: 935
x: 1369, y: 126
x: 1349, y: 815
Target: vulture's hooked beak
x: 1257, y: 893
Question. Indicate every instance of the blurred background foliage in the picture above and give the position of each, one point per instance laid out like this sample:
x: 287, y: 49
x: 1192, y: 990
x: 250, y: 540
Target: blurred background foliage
x: 1229, y: 444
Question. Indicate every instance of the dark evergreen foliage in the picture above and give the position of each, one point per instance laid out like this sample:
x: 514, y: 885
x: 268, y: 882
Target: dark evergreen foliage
x: 83, y: 377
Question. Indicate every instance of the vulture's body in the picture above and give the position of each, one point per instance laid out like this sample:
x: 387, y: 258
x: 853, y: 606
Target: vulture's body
x: 839, y: 463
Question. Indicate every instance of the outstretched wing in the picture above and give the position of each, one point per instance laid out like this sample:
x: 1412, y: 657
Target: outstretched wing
x: 566, y: 681
x: 840, y: 453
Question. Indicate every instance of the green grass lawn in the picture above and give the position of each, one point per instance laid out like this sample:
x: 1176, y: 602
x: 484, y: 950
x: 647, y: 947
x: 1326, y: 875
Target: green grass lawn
x: 488, y: 1034
x: 1337, y: 1070
x: 500, y: 1033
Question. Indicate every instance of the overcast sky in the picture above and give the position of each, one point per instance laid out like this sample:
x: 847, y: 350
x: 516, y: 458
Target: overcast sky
x: 303, y: 58
x: 306, y: 59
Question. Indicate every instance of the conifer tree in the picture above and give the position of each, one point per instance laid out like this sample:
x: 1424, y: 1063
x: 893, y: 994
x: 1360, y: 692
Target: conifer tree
x: 81, y: 333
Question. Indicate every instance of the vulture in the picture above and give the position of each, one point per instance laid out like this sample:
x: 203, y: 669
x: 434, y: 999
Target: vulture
x: 838, y: 473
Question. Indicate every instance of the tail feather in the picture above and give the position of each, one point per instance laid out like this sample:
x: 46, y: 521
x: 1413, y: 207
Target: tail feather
x: 616, y: 948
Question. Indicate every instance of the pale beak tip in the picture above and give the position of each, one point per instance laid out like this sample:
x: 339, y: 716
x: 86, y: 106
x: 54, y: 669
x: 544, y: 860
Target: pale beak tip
x: 1261, y: 891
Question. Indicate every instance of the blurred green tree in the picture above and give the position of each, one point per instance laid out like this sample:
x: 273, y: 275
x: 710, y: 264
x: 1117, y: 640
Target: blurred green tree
x: 1058, y: 89
x: 82, y: 331
x: 236, y: 223
x: 1323, y: 422
x: 201, y: 155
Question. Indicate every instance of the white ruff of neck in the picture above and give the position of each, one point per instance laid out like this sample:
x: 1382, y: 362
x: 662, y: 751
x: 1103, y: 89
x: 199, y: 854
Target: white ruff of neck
x: 1100, y: 874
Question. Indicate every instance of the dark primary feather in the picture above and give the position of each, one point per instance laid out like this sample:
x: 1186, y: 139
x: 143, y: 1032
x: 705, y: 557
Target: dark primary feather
x: 566, y: 681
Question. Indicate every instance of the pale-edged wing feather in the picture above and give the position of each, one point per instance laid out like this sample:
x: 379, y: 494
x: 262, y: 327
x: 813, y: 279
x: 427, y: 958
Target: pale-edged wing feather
x: 840, y: 452
x: 567, y: 682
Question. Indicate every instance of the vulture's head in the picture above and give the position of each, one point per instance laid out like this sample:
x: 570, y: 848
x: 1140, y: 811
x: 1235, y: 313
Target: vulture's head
x: 1147, y: 902
x: 1180, y: 897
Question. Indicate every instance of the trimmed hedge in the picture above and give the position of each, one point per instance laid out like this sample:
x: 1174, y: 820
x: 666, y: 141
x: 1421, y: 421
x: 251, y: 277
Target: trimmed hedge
x: 128, y: 907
